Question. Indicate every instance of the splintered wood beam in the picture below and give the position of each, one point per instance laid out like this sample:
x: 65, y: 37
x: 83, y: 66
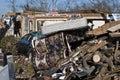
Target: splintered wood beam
x: 116, y: 34
x: 103, y: 29
x: 114, y: 28
x: 97, y: 46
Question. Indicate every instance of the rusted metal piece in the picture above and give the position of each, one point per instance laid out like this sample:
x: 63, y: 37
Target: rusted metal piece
x: 97, y: 46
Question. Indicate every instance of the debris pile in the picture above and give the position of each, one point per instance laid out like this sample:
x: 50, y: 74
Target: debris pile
x: 76, y: 54
x: 23, y: 68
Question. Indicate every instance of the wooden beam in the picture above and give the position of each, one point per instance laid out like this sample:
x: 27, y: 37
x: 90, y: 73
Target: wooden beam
x: 116, y: 34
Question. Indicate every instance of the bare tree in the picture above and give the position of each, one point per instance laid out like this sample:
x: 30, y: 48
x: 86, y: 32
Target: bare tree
x: 54, y: 4
x: 70, y: 5
x: 44, y: 5
x: 26, y: 7
x: 105, y: 5
x: 36, y: 5
x: 12, y: 5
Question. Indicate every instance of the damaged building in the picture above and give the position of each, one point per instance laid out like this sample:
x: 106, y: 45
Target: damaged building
x: 33, y: 21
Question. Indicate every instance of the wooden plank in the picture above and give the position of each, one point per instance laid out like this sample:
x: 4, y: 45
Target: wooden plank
x: 102, y: 29
x: 117, y: 34
x: 114, y: 28
x: 96, y: 46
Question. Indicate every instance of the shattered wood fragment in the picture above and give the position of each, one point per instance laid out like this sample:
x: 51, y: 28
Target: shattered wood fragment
x: 117, y: 56
x: 47, y: 78
x: 96, y: 46
x: 116, y: 34
x: 102, y: 72
x: 86, y: 58
x: 103, y: 29
x: 114, y: 28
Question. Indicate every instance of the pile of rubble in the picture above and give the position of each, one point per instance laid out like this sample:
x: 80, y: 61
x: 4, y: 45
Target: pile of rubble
x: 23, y: 68
x: 79, y: 54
